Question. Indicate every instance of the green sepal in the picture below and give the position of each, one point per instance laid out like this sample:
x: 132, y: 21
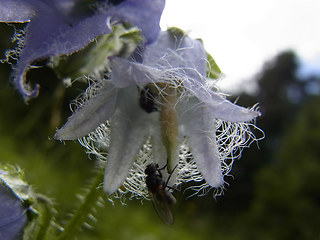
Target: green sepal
x: 213, y: 70
x: 94, y: 57
x: 176, y: 32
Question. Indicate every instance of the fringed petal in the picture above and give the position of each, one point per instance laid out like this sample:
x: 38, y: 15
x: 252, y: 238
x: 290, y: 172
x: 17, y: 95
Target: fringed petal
x: 228, y: 111
x: 56, y: 37
x: 200, y: 129
x: 217, y: 104
x: 90, y: 115
x: 145, y: 14
x: 126, y: 73
x: 55, y: 29
x: 16, y: 11
x: 176, y: 54
x: 129, y: 129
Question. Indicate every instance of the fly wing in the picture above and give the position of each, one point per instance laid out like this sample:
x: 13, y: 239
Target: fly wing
x: 162, y: 207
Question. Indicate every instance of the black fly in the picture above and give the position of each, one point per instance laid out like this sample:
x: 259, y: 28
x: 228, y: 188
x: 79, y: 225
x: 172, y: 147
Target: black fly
x: 160, y: 197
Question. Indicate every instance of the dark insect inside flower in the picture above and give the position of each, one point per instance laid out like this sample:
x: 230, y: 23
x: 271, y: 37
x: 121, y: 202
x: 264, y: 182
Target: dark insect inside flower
x: 147, y: 100
x: 160, y: 197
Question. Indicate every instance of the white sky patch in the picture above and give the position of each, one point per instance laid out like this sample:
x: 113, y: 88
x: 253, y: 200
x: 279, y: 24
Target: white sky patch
x: 310, y: 67
x: 242, y: 35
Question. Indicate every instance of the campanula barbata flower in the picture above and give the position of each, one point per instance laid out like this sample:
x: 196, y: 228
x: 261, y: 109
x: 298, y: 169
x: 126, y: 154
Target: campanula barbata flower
x: 159, y: 106
x: 13, y: 213
x: 61, y: 27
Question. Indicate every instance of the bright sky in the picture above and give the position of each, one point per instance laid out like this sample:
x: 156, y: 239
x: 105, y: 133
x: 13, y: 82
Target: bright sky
x: 242, y: 34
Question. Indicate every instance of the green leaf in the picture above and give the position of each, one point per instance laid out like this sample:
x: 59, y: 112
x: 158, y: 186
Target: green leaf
x: 13, y: 178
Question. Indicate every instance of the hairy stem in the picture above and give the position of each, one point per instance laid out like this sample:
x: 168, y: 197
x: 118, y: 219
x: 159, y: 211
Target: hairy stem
x: 79, y: 217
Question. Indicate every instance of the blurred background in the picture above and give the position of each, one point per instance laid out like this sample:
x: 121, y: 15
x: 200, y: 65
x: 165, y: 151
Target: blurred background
x: 242, y: 35
x: 273, y: 191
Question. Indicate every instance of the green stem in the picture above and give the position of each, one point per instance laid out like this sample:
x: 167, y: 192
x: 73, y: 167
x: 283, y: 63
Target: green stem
x: 79, y: 217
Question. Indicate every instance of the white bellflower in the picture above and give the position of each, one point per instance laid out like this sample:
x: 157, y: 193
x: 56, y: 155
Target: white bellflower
x: 161, y: 109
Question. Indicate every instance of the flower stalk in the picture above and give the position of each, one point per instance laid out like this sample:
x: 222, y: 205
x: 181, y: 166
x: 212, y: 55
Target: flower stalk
x: 169, y: 125
x: 85, y: 208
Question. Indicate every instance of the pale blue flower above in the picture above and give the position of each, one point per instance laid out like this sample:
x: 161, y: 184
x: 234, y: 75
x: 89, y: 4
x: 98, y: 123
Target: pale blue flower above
x: 60, y: 27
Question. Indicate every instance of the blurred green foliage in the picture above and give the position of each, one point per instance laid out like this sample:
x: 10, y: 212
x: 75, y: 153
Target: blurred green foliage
x: 274, y: 192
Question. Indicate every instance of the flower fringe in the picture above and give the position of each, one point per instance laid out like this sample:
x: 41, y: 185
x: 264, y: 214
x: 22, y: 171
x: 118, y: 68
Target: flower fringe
x: 232, y: 138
